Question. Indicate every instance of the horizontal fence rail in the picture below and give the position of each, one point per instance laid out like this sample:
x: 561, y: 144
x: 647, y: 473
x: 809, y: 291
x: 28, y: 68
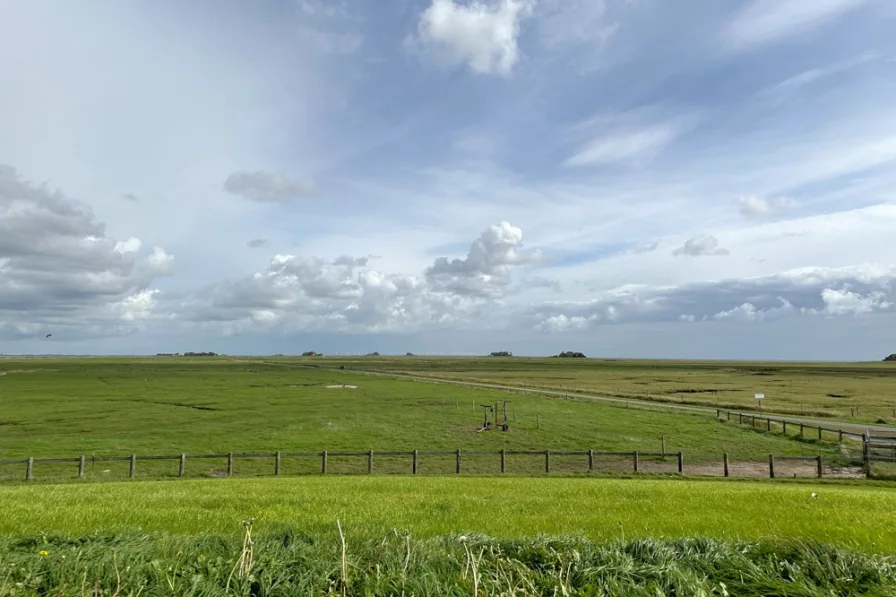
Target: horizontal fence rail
x: 751, y: 419
x: 528, y: 462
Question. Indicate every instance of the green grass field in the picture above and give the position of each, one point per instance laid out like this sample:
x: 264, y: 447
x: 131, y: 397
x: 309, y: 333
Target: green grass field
x: 432, y: 536
x: 611, y: 536
x: 847, y: 515
x: 95, y: 407
x: 861, y: 392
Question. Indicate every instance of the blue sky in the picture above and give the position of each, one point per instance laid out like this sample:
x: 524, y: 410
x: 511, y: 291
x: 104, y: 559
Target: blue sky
x: 620, y: 177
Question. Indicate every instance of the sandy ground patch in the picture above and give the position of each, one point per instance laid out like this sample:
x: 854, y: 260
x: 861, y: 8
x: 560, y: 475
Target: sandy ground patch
x: 341, y: 386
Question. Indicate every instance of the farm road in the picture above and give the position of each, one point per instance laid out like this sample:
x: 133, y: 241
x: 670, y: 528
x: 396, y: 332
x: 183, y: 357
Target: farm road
x: 828, y: 424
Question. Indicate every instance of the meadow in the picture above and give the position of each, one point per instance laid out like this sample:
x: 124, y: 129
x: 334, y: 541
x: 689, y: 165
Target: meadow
x: 434, y: 533
x: 168, y: 406
x: 860, y: 392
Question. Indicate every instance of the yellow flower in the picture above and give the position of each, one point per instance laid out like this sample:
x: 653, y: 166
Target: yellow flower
x: 43, y: 553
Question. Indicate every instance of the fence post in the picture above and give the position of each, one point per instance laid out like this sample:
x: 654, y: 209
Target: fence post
x: 680, y: 462
x: 768, y: 424
x: 725, y: 462
x: 414, y: 466
x: 81, y: 467
x: 277, y: 462
x: 840, y: 440
x: 29, y: 469
x: 133, y: 469
x: 663, y: 444
x: 740, y: 418
x: 182, y: 466
x: 729, y: 415
x: 503, y: 459
x: 370, y: 462
x: 802, y: 430
x: 590, y: 460
x: 818, y: 463
x: 819, y: 433
x: 785, y: 427
x: 771, y: 466
x: 636, y: 461
x: 547, y: 461
x: 323, y: 462
x: 538, y: 421
x: 457, y: 468
x: 865, y: 452
x: 230, y: 464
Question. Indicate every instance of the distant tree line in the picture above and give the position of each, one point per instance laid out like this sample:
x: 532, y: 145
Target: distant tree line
x: 571, y: 355
x: 892, y: 357
x: 502, y: 353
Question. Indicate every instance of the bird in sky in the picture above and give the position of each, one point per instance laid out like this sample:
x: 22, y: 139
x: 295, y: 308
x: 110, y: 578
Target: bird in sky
x: 48, y: 335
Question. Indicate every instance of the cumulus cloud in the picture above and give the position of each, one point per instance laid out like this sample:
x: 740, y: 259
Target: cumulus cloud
x: 267, y: 187
x: 309, y: 293
x: 753, y: 206
x: 562, y: 323
x: 485, y: 270
x: 481, y: 35
x: 749, y: 312
x: 59, y: 269
x: 844, y: 302
x: 833, y: 292
x: 258, y: 243
x: 700, y: 246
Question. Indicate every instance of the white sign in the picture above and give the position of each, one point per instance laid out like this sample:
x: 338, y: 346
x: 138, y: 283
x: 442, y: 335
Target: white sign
x: 759, y: 396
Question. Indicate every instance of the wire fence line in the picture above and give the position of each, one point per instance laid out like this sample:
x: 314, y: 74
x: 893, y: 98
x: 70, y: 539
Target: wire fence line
x: 770, y: 423
x: 432, y: 462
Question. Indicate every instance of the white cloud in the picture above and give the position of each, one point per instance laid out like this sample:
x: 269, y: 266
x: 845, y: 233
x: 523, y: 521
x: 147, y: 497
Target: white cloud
x: 562, y: 323
x: 625, y: 146
x: 764, y: 21
x: 700, y: 246
x: 267, y: 187
x: 844, y: 302
x: 309, y: 293
x: 793, y: 84
x: 754, y: 205
x: 481, y: 35
x: 800, y: 292
x: 749, y: 312
x: 61, y: 272
x: 485, y: 270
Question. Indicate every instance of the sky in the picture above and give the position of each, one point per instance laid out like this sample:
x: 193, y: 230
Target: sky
x: 625, y: 178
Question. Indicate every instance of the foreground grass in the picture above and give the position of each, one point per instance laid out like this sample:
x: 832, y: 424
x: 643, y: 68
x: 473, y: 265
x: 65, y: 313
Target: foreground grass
x: 859, y: 517
x: 847, y: 391
x: 165, y: 406
x: 290, y: 563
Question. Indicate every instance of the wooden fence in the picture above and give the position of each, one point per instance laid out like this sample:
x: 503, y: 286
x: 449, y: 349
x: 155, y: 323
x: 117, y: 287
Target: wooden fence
x: 880, y: 449
x: 409, y: 462
x: 784, y: 424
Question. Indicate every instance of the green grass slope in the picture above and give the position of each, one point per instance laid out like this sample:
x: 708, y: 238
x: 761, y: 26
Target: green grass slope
x: 852, y: 516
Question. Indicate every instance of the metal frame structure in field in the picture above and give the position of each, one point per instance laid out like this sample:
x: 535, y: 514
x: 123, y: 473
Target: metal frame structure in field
x: 498, y: 422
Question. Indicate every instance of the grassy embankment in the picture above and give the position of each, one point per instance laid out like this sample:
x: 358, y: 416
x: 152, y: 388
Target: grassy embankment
x: 402, y: 534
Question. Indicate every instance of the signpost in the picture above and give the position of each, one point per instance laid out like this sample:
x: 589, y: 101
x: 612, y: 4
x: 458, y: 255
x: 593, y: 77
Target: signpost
x: 760, y: 398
